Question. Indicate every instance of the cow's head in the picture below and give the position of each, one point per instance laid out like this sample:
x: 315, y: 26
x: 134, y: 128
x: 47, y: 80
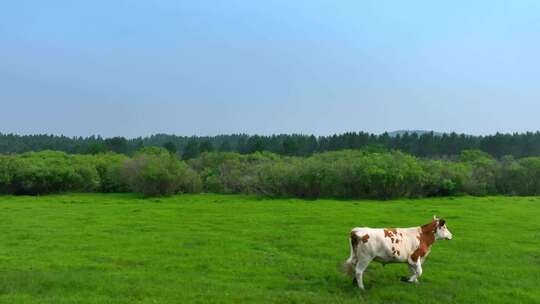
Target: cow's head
x: 442, y: 232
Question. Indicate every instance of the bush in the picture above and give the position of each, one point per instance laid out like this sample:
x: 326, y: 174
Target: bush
x: 445, y: 177
x: 155, y: 172
x: 7, y: 168
x: 484, y: 170
x: 531, y: 176
x: 227, y: 172
x: 49, y: 171
x: 109, y: 167
x: 344, y: 174
x: 290, y: 177
x: 340, y: 174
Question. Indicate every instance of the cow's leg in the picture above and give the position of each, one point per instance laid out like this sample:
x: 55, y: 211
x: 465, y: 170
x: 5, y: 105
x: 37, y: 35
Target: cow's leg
x: 361, y: 265
x: 416, y: 271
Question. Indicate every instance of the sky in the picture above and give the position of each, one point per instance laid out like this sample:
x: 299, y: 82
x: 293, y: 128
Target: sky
x: 136, y: 68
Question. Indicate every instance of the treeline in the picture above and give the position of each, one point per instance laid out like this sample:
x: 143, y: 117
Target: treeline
x: 426, y: 145
x: 340, y: 174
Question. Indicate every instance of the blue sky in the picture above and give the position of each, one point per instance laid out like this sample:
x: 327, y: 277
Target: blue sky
x: 135, y: 68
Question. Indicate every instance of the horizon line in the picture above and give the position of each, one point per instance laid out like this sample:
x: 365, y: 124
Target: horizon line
x: 395, y: 133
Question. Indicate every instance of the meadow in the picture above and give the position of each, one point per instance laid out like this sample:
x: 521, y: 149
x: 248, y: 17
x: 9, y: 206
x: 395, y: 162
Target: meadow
x: 206, y: 248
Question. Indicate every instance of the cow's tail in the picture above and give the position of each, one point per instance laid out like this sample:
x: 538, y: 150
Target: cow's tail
x: 350, y: 263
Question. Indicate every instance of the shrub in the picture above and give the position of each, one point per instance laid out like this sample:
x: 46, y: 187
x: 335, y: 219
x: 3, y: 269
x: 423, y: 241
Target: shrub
x: 227, y: 172
x: 109, y: 168
x: 51, y: 171
x: 339, y: 174
x: 484, y: 169
x: 344, y: 174
x: 155, y: 172
x: 530, y: 177
x: 290, y: 177
x: 444, y: 177
x: 7, y: 164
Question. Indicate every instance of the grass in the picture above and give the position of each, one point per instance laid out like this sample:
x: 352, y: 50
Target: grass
x: 97, y: 248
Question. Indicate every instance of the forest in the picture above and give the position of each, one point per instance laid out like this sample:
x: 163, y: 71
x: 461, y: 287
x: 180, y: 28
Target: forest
x: 420, y: 144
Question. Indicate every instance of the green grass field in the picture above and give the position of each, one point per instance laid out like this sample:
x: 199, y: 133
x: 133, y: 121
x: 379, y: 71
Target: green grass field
x: 96, y: 248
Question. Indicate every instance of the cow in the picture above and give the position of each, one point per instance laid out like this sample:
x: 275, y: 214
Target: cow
x: 393, y: 245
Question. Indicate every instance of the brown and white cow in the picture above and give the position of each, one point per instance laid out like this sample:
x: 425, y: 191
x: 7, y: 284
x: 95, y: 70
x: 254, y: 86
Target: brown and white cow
x: 394, y: 245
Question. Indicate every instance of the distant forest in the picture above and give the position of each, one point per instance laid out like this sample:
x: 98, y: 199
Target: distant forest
x: 428, y: 144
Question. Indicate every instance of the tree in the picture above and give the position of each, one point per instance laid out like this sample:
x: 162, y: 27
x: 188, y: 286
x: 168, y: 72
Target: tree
x: 170, y: 146
x: 290, y: 147
x: 206, y: 146
x: 191, y: 150
x: 96, y: 149
x: 225, y: 147
x: 136, y: 145
x: 255, y: 144
x: 117, y: 144
x: 241, y: 145
x: 429, y: 145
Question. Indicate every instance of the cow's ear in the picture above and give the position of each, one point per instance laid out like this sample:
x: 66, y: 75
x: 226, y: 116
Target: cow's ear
x: 434, y: 217
x: 442, y: 222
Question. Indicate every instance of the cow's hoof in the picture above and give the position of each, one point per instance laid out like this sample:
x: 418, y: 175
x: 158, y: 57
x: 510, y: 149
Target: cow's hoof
x: 407, y: 280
